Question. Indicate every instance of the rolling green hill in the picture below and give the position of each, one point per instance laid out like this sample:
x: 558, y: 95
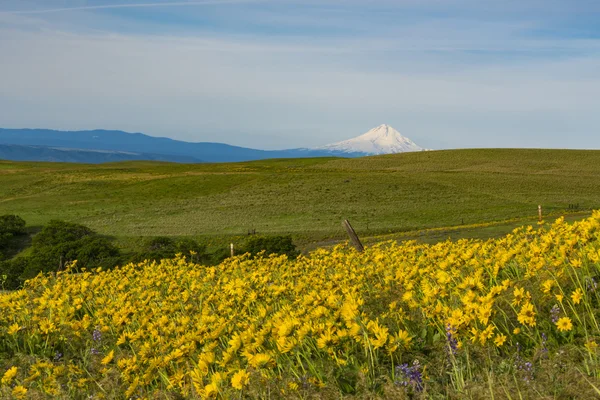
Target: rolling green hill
x: 305, y: 197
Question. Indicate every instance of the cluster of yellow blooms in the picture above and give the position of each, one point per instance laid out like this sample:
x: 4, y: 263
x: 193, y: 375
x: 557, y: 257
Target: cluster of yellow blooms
x: 202, y: 331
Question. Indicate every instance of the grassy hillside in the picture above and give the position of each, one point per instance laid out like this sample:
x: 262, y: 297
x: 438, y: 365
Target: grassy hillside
x: 305, y: 197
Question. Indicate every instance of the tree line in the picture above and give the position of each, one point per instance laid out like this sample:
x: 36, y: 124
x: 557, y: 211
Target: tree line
x: 58, y: 243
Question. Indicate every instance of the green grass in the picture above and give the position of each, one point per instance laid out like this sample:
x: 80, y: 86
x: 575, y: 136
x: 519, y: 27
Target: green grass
x: 307, y: 198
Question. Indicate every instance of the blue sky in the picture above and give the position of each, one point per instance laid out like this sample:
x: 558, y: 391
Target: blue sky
x: 283, y: 73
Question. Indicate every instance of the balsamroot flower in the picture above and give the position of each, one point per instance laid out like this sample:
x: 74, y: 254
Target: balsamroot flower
x: 499, y: 340
x: 19, y: 392
x: 9, y: 375
x: 527, y: 314
x: 576, y: 296
x: 564, y: 324
x: 240, y: 379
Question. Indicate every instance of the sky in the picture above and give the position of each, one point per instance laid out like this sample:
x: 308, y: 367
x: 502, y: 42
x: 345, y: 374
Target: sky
x: 275, y: 74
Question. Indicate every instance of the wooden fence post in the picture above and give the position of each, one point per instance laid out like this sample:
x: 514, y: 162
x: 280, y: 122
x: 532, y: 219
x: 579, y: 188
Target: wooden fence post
x: 232, y: 252
x: 540, y: 213
x: 353, y: 236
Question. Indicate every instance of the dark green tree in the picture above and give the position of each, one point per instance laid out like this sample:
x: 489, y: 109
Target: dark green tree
x: 60, y: 243
x: 11, y: 226
x: 57, y: 233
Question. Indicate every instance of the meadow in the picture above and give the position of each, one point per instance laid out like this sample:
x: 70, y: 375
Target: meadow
x: 508, y: 318
x: 511, y: 314
x: 307, y: 198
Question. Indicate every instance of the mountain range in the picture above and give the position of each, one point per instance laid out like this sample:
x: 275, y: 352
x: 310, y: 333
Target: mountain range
x: 99, y: 146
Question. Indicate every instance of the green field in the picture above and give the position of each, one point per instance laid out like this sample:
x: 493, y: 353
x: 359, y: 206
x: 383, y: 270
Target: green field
x: 307, y: 198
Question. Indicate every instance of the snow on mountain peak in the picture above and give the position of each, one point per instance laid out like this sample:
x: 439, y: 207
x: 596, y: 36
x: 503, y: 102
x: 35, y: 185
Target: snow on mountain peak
x: 380, y: 140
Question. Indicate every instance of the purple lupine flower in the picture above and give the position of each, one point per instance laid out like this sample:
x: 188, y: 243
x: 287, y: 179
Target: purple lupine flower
x: 304, y: 382
x: 404, y: 371
x: 410, y: 375
x: 416, y: 376
x: 527, y: 369
x: 554, y: 313
x: 94, y: 351
x: 57, y: 356
x: 518, y: 360
x: 452, y: 341
x: 96, y: 335
x: 544, y: 347
x: 522, y: 366
x: 591, y: 284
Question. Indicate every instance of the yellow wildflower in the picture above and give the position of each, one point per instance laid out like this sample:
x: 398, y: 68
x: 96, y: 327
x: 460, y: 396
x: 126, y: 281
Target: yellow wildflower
x: 475, y: 334
x: 381, y: 335
x: 499, y: 340
x: 260, y: 360
x: 591, y: 345
x: 14, y: 328
x: 240, y: 379
x: 576, y: 296
x: 486, y: 334
x: 46, y: 327
x: 109, y: 357
x: 211, y: 390
x: 527, y: 314
x: 547, y: 285
x: 9, y: 375
x: 519, y: 295
x: 403, y: 337
x: 19, y: 392
x: 564, y: 324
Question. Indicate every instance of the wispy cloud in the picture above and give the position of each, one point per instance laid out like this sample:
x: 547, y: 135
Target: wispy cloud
x: 190, y: 3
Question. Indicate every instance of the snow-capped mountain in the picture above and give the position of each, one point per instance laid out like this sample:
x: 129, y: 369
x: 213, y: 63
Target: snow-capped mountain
x: 380, y: 140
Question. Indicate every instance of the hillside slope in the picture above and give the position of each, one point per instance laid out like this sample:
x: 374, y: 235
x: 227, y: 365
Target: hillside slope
x: 58, y: 154
x: 168, y: 149
x: 303, y: 196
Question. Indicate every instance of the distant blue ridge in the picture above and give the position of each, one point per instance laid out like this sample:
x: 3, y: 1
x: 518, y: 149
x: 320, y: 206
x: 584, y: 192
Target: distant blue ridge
x: 98, y: 146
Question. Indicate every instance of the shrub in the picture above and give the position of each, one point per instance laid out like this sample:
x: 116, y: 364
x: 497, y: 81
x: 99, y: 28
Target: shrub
x: 162, y: 247
x: 192, y: 250
x: 271, y: 245
x: 13, y: 269
x: 161, y: 243
x: 219, y: 255
x: 96, y: 251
